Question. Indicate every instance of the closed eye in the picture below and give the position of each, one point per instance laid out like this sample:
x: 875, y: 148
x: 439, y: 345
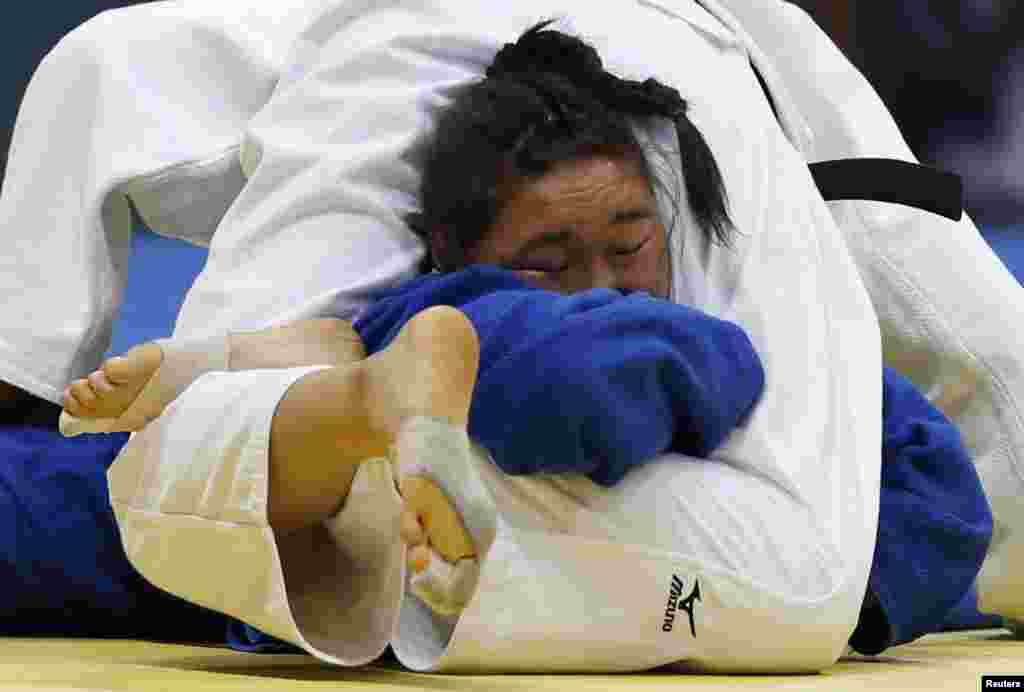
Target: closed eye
x: 541, y: 269
x: 537, y: 265
x: 622, y: 252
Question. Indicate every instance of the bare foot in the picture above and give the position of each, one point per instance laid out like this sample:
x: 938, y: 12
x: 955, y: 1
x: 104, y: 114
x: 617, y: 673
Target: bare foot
x: 429, y: 370
x: 109, y: 391
x: 410, y: 402
x: 113, y: 392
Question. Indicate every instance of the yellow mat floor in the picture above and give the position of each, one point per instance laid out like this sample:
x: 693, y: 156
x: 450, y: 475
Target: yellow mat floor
x: 951, y: 661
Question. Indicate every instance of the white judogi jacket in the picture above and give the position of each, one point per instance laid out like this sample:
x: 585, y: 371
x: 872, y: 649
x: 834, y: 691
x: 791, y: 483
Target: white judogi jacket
x: 174, y: 104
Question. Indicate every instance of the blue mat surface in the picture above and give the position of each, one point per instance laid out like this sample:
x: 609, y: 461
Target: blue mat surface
x: 1008, y: 243
x: 159, y: 273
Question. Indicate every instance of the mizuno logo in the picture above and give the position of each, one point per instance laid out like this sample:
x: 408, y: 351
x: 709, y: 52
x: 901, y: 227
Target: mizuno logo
x: 675, y: 604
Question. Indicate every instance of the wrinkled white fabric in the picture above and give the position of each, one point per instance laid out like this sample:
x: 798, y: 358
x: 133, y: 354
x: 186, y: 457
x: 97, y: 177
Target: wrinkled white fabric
x: 777, y: 529
x: 946, y: 303
x: 157, y: 103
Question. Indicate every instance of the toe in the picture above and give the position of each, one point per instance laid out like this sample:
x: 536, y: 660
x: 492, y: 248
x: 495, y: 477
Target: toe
x: 71, y: 404
x: 82, y: 391
x: 117, y: 369
x: 411, y: 530
x: 441, y: 522
x: 418, y: 558
x: 100, y: 384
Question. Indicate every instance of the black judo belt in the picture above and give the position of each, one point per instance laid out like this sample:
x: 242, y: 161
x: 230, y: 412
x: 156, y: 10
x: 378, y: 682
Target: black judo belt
x: 884, y: 180
x: 891, y: 180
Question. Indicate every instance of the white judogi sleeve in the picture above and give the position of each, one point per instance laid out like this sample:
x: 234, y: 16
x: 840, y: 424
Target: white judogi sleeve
x: 151, y: 102
x: 947, y: 305
x: 778, y: 528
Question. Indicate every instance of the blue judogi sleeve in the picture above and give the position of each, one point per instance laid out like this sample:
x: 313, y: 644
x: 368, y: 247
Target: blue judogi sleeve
x: 606, y: 380
x: 934, y: 522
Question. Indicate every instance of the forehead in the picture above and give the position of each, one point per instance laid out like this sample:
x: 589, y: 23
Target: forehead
x: 581, y: 200
x: 597, y: 181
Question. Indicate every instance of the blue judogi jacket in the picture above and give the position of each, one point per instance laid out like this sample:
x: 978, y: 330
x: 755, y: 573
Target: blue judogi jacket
x: 934, y: 523
x: 606, y: 380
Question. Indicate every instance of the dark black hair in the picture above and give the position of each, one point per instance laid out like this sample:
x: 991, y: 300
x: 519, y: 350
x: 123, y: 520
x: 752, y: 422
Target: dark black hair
x: 546, y: 99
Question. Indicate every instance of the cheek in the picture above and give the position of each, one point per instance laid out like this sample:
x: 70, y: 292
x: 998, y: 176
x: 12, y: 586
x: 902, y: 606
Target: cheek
x: 646, y: 276
x: 651, y: 270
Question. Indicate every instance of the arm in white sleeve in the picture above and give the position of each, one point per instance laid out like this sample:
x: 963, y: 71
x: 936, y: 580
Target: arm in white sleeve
x: 317, y: 229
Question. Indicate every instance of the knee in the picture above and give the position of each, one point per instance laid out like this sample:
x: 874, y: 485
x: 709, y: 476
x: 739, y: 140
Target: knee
x: 799, y: 585
x: 819, y: 612
x: 816, y: 636
x: 811, y: 594
x: 793, y: 635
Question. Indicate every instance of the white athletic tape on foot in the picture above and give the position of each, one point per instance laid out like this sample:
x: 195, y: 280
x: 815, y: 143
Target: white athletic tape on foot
x: 183, y: 362
x: 442, y: 452
x: 444, y: 587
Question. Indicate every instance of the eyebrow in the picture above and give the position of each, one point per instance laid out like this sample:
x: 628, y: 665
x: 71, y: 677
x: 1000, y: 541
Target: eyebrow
x: 630, y: 215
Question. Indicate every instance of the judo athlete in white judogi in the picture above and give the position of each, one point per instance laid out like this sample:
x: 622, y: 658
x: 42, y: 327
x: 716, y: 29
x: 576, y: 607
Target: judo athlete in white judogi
x: 807, y: 458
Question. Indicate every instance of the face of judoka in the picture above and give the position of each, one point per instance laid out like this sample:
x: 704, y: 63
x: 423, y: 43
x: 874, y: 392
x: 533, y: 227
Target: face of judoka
x: 591, y: 223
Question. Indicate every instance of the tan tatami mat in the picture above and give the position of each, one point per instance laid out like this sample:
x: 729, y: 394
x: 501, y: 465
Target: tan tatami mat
x: 949, y: 662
